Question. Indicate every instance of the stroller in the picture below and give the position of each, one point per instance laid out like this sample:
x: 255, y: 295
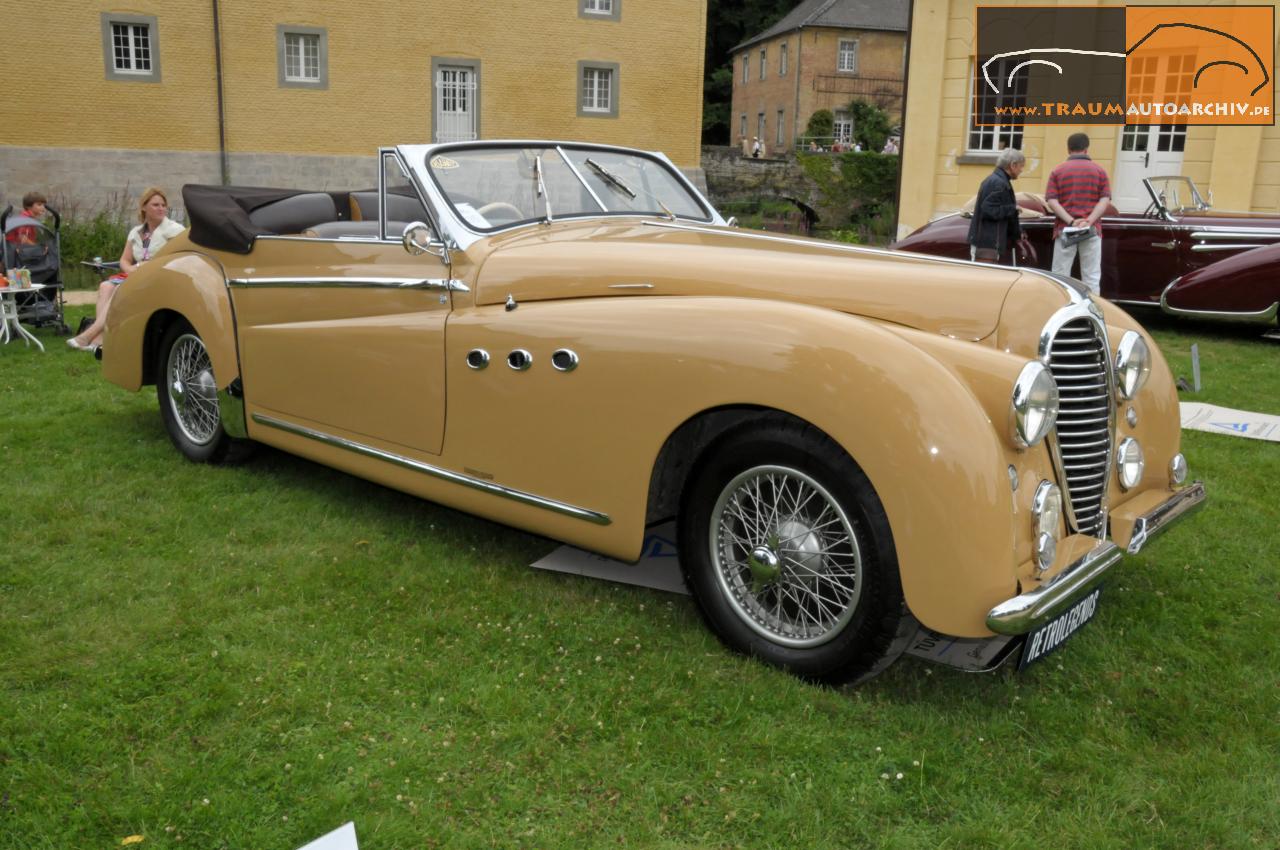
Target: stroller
x: 34, y: 246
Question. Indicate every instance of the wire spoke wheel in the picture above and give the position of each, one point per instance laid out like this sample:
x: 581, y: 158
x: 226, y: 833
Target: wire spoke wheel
x: 192, y: 391
x: 786, y: 556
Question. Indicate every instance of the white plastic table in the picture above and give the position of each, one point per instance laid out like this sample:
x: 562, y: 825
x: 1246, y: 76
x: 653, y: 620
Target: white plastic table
x: 9, y: 326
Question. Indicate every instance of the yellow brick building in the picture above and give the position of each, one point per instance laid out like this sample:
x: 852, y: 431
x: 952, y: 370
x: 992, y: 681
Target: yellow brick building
x: 944, y: 160
x: 285, y: 92
x: 821, y: 55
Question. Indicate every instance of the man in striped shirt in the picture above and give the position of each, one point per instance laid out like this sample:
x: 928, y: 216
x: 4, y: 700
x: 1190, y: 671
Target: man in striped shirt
x: 1078, y: 194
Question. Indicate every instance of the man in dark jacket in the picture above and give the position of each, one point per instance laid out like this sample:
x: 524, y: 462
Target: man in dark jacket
x: 994, y: 228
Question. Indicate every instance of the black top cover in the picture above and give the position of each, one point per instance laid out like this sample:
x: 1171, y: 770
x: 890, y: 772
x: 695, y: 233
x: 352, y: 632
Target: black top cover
x: 219, y: 215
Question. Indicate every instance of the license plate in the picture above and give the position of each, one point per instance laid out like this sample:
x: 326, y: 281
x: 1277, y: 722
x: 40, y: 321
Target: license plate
x: 1054, y: 633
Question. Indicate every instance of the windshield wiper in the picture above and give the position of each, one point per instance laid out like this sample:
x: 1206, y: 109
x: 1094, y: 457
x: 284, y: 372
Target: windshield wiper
x: 616, y: 182
x: 542, y: 187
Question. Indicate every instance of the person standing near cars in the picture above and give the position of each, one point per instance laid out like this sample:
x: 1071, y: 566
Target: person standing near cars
x: 994, y: 228
x: 1078, y: 195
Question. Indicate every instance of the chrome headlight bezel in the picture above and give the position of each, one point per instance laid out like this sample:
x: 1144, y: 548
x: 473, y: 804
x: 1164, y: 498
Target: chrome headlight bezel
x: 1133, y: 364
x: 1033, y: 406
x: 1130, y: 463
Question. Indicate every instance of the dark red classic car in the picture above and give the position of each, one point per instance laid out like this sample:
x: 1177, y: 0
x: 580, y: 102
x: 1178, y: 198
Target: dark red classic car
x: 1178, y: 255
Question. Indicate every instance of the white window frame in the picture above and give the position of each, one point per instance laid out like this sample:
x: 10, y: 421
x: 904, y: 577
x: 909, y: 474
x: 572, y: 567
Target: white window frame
x: 590, y: 74
x: 288, y: 35
x: 989, y: 137
x: 746, y: 68
x: 777, y: 136
x: 848, y: 48
x: 782, y: 61
x: 600, y: 10
x: 842, y: 127
x: 133, y: 26
x: 452, y: 124
x: 764, y: 62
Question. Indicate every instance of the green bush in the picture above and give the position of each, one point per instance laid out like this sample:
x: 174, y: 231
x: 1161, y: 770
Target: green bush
x: 821, y: 125
x: 870, y: 125
x: 101, y: 235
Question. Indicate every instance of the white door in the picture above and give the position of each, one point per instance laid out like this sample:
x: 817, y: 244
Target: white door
x: 1151, y: 150
x: 455, y: 104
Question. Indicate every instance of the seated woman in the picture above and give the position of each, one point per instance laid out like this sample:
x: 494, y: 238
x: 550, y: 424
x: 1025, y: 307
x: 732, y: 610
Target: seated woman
x: 143, y: 241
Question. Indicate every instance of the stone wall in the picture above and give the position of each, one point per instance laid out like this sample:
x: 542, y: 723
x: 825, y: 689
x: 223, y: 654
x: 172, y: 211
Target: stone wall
x: 732, y: 177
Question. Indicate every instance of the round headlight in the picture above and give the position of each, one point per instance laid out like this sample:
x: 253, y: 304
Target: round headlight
x: 1130, y: 463
x: 1034, y: 406
x: 1133, y: 364
x: 1046, y: 518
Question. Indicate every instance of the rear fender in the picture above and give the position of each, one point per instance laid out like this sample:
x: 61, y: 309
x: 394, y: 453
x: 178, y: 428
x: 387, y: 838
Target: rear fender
x: 185, y: 285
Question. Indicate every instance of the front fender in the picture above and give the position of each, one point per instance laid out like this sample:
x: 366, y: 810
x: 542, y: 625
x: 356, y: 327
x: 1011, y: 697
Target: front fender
x: 591, y: 436
x: 189, y: 284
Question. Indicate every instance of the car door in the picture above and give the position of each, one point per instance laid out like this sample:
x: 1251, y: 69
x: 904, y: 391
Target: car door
x: 344, y: 334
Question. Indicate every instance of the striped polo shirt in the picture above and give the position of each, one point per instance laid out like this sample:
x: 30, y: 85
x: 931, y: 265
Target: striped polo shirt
x: 1078, y: 184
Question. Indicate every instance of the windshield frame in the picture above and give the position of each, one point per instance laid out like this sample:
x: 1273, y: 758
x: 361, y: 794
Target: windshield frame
x: 710, y: 215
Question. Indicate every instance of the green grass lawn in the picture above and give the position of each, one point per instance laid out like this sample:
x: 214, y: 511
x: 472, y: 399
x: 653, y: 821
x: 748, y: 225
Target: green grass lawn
x: 248, y: 657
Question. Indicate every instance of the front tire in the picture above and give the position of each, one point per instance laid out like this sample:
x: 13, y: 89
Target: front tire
x: 188, y: 395
x: 788, y: 551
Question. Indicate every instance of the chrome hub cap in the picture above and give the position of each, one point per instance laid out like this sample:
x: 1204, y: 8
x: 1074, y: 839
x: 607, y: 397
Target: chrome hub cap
x: 786, y: 556
x: 193, y: 392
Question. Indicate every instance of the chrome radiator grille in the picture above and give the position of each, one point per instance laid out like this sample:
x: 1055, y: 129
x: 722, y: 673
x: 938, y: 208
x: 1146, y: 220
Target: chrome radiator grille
x: 1078, y: 360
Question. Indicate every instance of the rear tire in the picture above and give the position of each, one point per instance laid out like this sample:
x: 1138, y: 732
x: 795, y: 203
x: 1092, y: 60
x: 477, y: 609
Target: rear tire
x: 788, y: 551
x: 188, y: 395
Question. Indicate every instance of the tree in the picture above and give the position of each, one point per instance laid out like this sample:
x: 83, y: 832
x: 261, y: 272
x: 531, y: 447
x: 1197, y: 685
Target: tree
x: 821, y: 125
x: 729, y: 23
x: 871, y: 126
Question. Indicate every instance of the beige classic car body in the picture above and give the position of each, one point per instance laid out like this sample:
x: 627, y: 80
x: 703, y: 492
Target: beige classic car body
x: 568, y: 339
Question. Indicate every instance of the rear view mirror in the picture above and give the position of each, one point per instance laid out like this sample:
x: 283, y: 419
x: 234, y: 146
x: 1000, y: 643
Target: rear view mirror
x: 417, y: 238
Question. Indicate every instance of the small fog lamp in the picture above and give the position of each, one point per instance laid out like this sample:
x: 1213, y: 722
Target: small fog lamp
x: 1130, y: 463
x: 1178, y: 469
x: 1046, y: 519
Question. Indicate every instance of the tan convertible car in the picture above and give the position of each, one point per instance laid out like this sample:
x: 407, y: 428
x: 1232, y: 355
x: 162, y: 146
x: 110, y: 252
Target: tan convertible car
x: 569, y: 339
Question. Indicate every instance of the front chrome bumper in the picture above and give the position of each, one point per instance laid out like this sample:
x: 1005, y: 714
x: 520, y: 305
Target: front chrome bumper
x: 1028, y: 611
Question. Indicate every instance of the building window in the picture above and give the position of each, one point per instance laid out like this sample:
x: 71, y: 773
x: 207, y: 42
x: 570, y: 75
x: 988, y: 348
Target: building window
x: 746, y: 68
x: 782, y: 62
x: 598, y: 89
x: 842, y: 131
x: 764, y: 62
x: 742, y: 127
x: 847, y: 61
x: 778, y: 135
x: 456, y: 108
x: 131, y: 47
x: 607, y: 9
x: 302, y: 55
x: 760, y: 126
x: 997, y: 137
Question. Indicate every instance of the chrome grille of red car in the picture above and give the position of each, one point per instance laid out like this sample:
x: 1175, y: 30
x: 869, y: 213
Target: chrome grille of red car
x: 1078, y: 360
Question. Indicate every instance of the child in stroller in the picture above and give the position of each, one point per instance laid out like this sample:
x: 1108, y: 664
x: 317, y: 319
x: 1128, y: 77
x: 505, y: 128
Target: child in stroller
x: 31, y: 243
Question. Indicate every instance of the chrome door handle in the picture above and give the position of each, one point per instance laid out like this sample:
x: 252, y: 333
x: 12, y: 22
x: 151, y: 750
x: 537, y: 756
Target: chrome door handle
x: 1166, y: 245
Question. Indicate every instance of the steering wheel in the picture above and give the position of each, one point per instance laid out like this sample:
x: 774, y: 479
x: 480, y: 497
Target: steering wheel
x: 500, y: 205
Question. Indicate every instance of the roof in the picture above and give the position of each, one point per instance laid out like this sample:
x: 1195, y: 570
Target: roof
x: 892, y: 15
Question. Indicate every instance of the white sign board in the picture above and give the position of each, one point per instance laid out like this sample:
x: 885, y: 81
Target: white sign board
x: 658, y: 566
x: 1224, y: 420
x: 342, y: 838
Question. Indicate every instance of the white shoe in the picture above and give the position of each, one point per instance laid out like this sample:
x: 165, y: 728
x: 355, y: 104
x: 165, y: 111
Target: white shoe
x: 71, y: 342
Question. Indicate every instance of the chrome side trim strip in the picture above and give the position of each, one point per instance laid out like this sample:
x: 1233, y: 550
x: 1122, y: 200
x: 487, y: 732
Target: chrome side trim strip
x: 1030, y: 610
x: 436, y: 471
x: 1149, y: 525
x: 1236, y: 247
x: 367, y: 240
x: 1261, y: 317
x: 448, y: 284
x: 1211, y: 233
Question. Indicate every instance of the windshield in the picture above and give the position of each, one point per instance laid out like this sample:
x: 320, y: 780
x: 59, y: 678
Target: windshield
x: 1176, y: 194
x: 495, y: 187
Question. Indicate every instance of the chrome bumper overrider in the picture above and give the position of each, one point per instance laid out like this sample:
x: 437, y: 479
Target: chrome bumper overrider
x: 1032, y: 609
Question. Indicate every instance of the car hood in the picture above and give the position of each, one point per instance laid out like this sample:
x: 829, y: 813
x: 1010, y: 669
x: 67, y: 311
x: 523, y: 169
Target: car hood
x: 581, y: 260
